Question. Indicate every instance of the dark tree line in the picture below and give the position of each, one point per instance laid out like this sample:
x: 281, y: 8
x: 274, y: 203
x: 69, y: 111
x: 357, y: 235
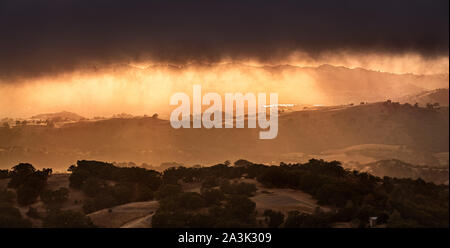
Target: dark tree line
x: 109, y: 185
x: 356, y: 196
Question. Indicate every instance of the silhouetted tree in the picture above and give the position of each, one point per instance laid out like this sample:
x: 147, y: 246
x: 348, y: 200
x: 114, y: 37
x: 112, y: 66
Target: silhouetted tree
x: 28, y: 181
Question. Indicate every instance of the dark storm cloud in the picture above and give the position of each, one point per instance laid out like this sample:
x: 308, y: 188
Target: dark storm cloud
x: 50, y: 36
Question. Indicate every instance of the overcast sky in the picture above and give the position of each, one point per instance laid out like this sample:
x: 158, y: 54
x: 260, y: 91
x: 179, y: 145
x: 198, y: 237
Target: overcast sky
x: 51, y: 36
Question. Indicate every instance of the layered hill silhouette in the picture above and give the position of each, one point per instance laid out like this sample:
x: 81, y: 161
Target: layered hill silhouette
x: 152, y: 140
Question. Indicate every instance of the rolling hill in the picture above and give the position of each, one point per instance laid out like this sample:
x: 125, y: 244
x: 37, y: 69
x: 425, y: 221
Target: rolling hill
x: 301, y: 133
x: 60, y: 116
x: 439, y: 96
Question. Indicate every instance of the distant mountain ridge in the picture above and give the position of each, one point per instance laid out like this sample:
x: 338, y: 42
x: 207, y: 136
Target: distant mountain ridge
x: 330, y: 84
x: 61, y: 116
x: 337, y: 84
